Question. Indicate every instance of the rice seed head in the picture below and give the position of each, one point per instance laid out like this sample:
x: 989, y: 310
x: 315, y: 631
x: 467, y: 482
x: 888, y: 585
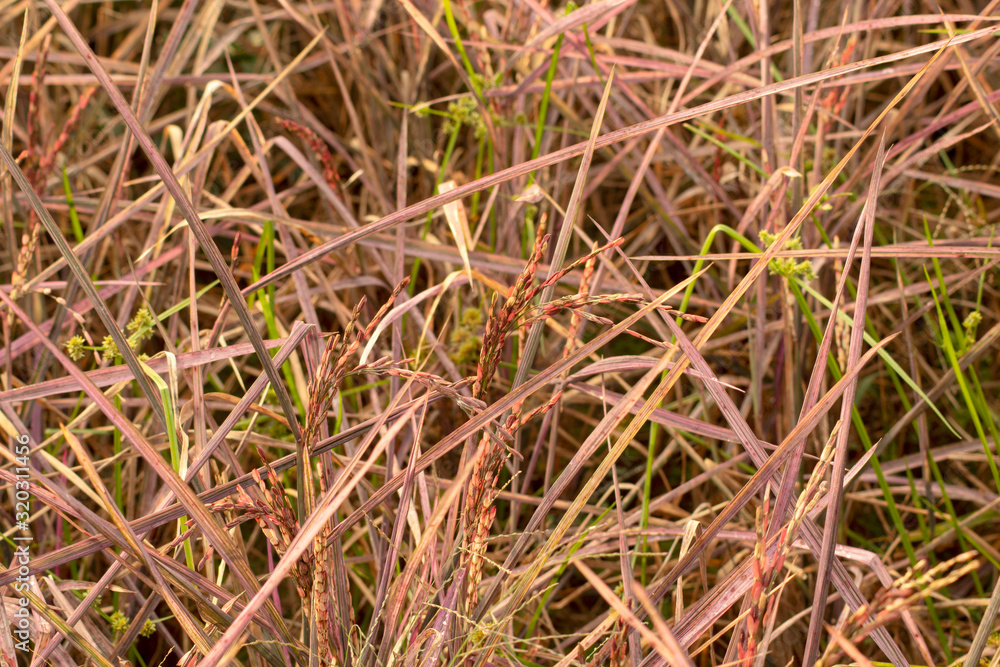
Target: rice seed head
x: 320, y: 150
x: 907, y: 591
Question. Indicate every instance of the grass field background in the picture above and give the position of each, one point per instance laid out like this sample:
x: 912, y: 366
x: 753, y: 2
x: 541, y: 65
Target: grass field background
x: 420, y: 333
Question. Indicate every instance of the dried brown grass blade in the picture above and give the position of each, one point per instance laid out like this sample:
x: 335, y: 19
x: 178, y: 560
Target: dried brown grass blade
x: 81, y: 275
x: 624, y: 134
x: 765, y: 471
x: 985, y: 629
x: 671, y: 652
x: 183, y: 203
x: 215, y: 533
x: 7, y: 138
x: 324, y: 510
x: 565, y: 233
x: 833, y: 510
x: 192, y: 628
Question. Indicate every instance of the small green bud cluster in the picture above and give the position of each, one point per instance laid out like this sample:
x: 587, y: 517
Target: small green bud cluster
x: 465, y: 344
x: 465, y: 111
x: 119, y: 622
x: 148, y: 629
x: 787, y: 266
x: 970, y: 325
x: 483, y: 82
x: 119, y: 625
x: 140, y: 329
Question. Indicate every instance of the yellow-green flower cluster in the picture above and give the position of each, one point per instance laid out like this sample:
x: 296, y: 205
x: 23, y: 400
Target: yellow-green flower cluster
x: 483, y: 82
x: 465, y: 111
x: 140, y: 329
x: 465, y: 344
x: 76, y: 348
x: 787, y: 266
x: 148, y: 629
x: 970, y: 325
x: 109, y: 348
x: 119, y: 622
x: 992, y: 640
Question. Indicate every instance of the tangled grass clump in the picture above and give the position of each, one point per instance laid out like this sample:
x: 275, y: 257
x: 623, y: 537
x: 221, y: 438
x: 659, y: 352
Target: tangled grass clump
x: 494, y: 374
